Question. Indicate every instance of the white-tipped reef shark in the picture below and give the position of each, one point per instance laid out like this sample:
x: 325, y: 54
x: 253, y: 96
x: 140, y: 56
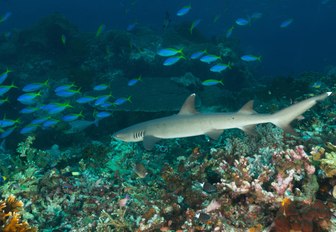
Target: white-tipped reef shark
x: 188, y: 122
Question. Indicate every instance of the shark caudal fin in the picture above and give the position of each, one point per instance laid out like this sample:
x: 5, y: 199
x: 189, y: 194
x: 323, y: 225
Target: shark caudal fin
x: 284, y: 117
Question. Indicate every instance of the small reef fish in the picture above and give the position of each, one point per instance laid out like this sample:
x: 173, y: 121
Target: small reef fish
x: 100, y: 30
x: 7, y: 132
x: 5, y: 17
x: 140, y: 170
x: 79, y: 125
x: 229, y: 32
x: 34, y: 86
x: 106, y: 105
x: 102, y: 99
x: 216, y: 18
x: 38, y: 121
x: 29, y: 110
x: 102, y: 114
x: 64, y: 87
x: 4, y: 75
x: 122, y: 100
x: 50, y: 123
x: 250, y: 58
x: 5, y: 88
x: 286, y: 23
x: 210, y: 58
x: 67, y: 93
x: 86, y: 99
x: 3, y: 101
x: 194, y: 24
x: 256, y: 15
x: 198, y: 54
x: 317, y: 85
x: 8, y: 122
x: 28, y: 98
x: 72, y: 117
x: 131, y: 26
x: 63, y: 39
x: 184, y: 10
x: 28, y: 129
x: 166, y: 52
x: 212, y: 82
x: 242, y: 21
x: 123, y: 202
x: 220, y: 67
x: 55, y: 108
x: 100, y: 87
x: 134, y: 81
x: 172, y: 60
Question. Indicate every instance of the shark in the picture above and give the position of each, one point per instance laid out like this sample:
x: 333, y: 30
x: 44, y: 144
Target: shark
x: 189, y: 122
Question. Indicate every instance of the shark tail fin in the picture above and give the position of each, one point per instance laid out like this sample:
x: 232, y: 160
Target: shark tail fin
x: 284, y: 117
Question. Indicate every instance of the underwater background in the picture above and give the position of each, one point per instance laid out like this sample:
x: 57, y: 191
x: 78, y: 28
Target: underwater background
x: 72, y: 73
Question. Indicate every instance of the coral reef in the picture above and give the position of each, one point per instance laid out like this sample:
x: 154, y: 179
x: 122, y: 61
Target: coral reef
x: 10, y: 216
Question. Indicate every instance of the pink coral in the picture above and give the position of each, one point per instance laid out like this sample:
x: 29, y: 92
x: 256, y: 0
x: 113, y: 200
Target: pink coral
x: 282, y: 183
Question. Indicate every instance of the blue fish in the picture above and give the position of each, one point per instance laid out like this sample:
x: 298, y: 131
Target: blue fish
x: 100, y: 87
x: 29, y: 110
x: 286, y: 23
x: 85, y: 99
x: 220, y: 67
x: 35, y: 86
x: 7, y: 132
x: 50, y: 123
x: 102, y: 114
x: 28, y: 98
x: 249, y: 58
x: 122, y: 100
x: 28, y: 129
x: 211, y: 82
x: 64, y: 87
x: 106, y: 105
x: 5, y: 88
x: 166, y: 52
x: 3, y: 101
x: 5, y: 16
x: 131, y: 26
x: 197, y: 55
x: 67, y: 93
x: 8, y: 122
x: 102, y: 99
x: 59, y: 107
x: 209, y: 58
x: 229, y: 32
x: 242, y: 22
x: 134, y: 81
x: 172, y: 60
x: 72, y: 117
x: 194, y: 24
x: 184, y: 10
x: 38, y: 121
x: 4, y: 75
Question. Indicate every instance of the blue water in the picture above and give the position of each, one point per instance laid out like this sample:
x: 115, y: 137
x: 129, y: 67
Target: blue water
x: 306, y: 45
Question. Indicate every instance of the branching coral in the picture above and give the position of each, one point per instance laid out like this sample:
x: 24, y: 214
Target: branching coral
x: 10, y: 218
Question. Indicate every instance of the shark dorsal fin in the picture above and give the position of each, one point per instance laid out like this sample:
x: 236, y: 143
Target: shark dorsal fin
x: 247, y: 108
x: 188, y: 106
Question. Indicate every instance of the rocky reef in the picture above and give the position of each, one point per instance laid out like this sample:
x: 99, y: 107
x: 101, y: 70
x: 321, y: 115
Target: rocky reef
x: 87, y: 181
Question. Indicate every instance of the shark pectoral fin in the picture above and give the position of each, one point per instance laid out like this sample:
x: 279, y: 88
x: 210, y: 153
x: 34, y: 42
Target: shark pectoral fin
x: 149, y: 142
x: 250, y: 130
x: 214, y: 134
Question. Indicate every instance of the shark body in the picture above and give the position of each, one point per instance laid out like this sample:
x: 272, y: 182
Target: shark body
x: 188, y: 122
